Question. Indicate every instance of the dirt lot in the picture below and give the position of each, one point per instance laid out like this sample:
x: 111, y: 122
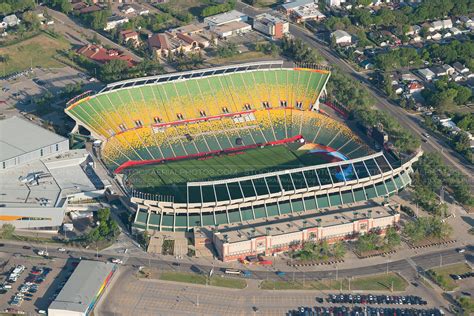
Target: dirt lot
x: 60, y: 270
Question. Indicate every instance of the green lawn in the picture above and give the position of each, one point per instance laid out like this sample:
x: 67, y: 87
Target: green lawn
x: 382, y: 282
x: 36, y: 51
x: 171, y: 178
x: 201, y: 279
x: 441, y: 275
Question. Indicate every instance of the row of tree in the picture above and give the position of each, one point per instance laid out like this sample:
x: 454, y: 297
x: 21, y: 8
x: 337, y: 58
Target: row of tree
x: 427, y: 227
x: 320, y: 251
x: 374, y: 241
x: 14, y: 6
x: 433, y: 175
x: 445, y: 95
x: 218, y: 8
x: 107, y: 228
x: 455, y: 50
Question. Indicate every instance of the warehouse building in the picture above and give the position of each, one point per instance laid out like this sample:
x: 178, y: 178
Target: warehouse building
x: 83, y: 290
x: 22, y: 141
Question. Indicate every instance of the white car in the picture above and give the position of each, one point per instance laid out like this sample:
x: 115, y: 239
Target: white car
x: 115, y: 260
x: 461, y: 250
x: 61, y: 250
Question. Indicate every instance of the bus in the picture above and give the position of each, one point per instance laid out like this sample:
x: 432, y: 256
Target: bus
x: 233, y: 271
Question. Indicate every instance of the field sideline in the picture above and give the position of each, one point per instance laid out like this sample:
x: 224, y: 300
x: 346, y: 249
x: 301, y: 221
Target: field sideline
x: 170, y: 178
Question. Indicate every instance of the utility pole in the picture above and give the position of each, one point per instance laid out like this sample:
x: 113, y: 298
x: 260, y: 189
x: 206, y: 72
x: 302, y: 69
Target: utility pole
x: 440, y: 260
x: 197, y: 299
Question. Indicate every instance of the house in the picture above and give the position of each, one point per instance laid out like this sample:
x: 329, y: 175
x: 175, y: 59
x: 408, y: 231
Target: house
x: 102, y: 55
x: 164, y: 44
x: 134, y: 9
x: 429, y: 27
x: 199, y: 32
x: 114, y: 21
x: 455, y: 31
x: 408, y: 76
x: 341, y: 37
x: 366, y: 64
x: 11, y: 20
x: 3, y: 25
x: 271, y: 25
x: 413, y: 30
x: 334, y: 3
x: 438, y: 71
x: 426, y: 74
x: 435, y: 36
x: 448, y: 69
x: 130, y: 35
x: 398, y: 89
x: 288, y: 7
x: 90, y: 9
x: 460, y: 68
x: 224, y: 18
x: 447, y: 35
x: 457, y: 77
x: 306, y: 13
x: 414, y: 87
x: 231, y: 29
x: 447, y: 24
x: 466, y: 21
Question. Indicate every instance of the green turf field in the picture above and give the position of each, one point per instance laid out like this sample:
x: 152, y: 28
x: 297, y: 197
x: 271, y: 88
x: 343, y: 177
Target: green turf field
x: 171, y: 178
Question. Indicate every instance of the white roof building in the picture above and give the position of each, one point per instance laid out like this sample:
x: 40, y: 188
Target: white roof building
x: 341, y: 37
x: 11, y: 20
x: 308, y: 12
x: 224, y: 18
x: 427, y: 74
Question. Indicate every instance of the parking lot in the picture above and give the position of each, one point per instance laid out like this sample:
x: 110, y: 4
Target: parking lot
x: 39, y: 282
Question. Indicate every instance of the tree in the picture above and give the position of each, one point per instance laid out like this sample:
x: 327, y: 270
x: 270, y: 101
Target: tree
x: 5, y: 8
x: 7, y: 231
x: 113, y: 70
x: 32, y: 21
x: 392, y: 238
x: 227, y: 50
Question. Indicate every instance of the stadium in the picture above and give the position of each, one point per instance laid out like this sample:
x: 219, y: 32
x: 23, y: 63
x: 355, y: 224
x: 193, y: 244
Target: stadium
x: 232, y: 144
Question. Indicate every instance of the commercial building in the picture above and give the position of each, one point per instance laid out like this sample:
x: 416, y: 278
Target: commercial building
x: 224, y: 18
x: 268, y: 237
x: 307, y: 13
x: 47, y: 178
x: 114, y: 21
x: 271, y: 25
x: 17, y: 150
x: 288, y: 7
x: 83, y: 289
x: 231, y: 29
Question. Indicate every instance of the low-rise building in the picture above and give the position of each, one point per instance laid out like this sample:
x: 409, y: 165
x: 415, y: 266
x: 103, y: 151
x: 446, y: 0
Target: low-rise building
x: 460, y: 68
x: 224, y: 18
x: 289, y: 7
x: 307, y: 12
x: 114, y: 21
x: 11, y: 20
x: 426, y: 74
x: 231, y: 29
x: 164, y: 44
x: 268, y: 237
x: 341, y: 37
x: 102, y: 55
x: 130, y: 36
x: 414, y: 87
x: 334, y: 3
x: 271, y: 25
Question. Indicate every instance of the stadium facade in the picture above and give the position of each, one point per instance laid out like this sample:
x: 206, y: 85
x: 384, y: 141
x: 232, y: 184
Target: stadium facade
x: 155, y: 122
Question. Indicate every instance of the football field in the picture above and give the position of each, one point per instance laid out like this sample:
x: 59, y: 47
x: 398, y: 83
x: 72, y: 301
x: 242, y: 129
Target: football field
x: 170, y: 178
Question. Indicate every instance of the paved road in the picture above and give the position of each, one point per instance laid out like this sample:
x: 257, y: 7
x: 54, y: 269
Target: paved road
x: 76, y: 33
x: 406, y: 120
x: 407, y: 267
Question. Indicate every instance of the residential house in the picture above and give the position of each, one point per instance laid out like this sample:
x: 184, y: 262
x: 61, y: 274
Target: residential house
x: 438, y: 71
x: 102, y: 55
x: 366, y: 64
x: 114, y: 21
x: 130, y: 36
x: 460, y: 68
x: 455, y: 31
x: 334, y: 3
x: 398, y: 89
x: 413, y: 30
x: 408, y: 76
x: 426, y: 74
x: 224, y: 18
x: 134, y: 9
x: 447, y: 24
x: 449, y: 70
x: 90, y: 9
x: 271, y: 25
x: 414, y: 87
x: 341, y: 37
x: 11, y: 20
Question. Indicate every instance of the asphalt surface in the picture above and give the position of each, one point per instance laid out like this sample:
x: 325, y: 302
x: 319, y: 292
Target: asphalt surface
x: 407, y: 120
x: 408, y: 266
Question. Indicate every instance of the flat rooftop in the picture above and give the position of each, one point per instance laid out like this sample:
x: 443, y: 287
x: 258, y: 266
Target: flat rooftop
x: 225, y: 17
x: 290, y: 223
x: 55, y: 176
x: 83, y: 286
x: 13, y: 141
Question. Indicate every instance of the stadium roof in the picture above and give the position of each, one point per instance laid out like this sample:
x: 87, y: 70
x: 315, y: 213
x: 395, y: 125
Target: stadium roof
x: 13, y: 142
x: 83, y: 286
